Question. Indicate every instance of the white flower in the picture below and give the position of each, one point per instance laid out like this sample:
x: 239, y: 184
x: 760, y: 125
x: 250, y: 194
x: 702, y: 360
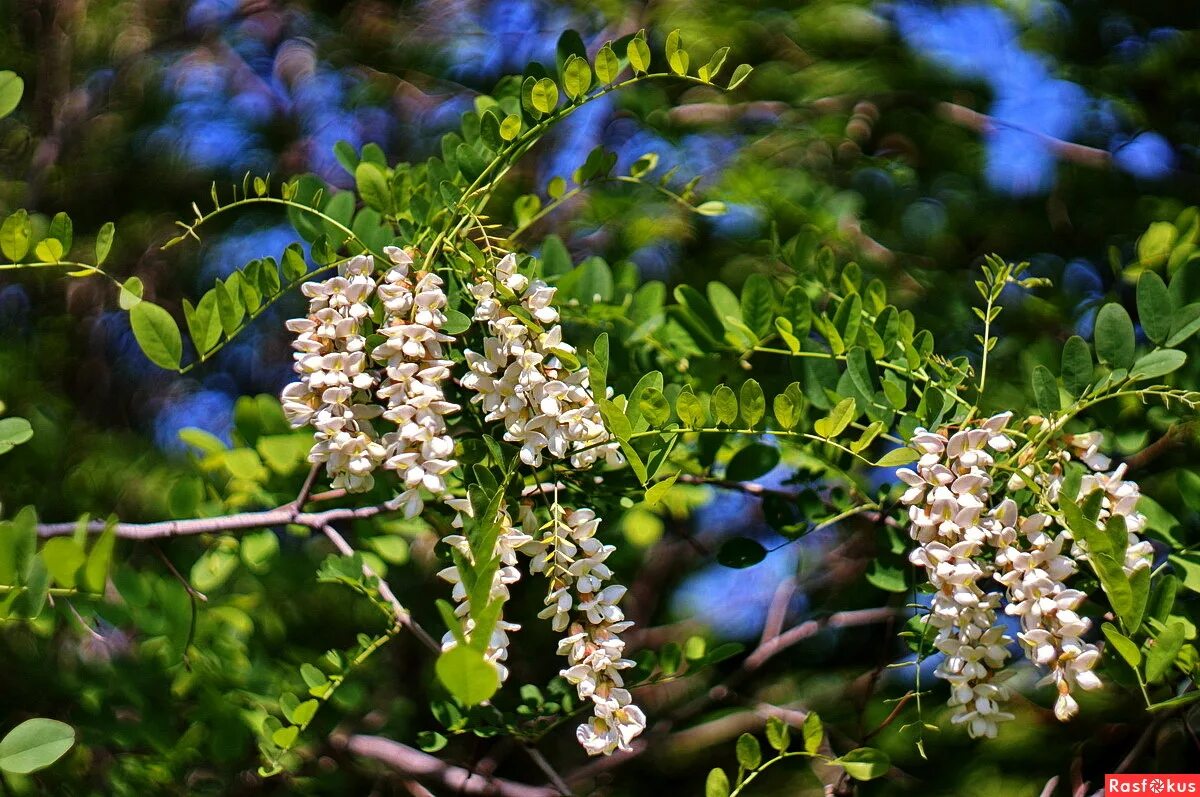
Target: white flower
x: 571, y: 556
x: 953, y: 519
x: 338, y: 384
x: 415, y: 367
x: 333, y: 392
x: 520, y: 379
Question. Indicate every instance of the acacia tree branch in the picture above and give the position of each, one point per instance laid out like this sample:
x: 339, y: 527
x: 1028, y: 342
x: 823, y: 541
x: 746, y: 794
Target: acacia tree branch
x: 288, y: 513
x: 961, y: 115
x: 544, y: 765
x: 242, y: 521
x: 811, y: 628
x: 403, y: 616
x: 457, y: 780
x: 306, y: 488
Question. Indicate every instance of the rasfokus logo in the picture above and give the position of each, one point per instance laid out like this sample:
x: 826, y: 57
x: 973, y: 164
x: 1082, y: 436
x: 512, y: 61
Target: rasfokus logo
x: 1151, y: 784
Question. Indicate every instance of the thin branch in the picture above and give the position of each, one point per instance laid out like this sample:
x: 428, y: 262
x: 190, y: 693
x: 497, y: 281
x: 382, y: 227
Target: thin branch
x: 1139, y: 747
x: 187, y: 585
x: 544, y: 765
x: 971, y: 120
x: 403, y: 617
x: 1173, y: 438
x: 811, y: 628
x: 777, y: 612
x: 306, y: 488
x: 226, y: 523
x: 457, y: 780
x: 982, y: 123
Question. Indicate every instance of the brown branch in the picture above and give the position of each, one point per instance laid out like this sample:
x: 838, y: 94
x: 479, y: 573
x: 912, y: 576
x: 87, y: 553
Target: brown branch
x: 777, y: 611
x: 555, y: 779
x: 982, y: 123
x: 702, y: 113
x: 226, y: 523
x: 811, y: 628
x: 1163, y: 445
x: 403, y: 616
x: 306, y: 488
x: 412, y: 762
x: 761, y: 654
x: 288, y: 513
x: 1139, y: 747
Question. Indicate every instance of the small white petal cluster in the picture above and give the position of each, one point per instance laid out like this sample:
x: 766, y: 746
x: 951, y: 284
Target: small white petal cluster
x: 339, y: 391
x: 520, y: 379
x: 571, y: 556
x: 1051, y: 629
x: 953, y: 522
x: 969, y: 530
x: 508, y: 542
x: 333, y: 394
x: 414, y: 369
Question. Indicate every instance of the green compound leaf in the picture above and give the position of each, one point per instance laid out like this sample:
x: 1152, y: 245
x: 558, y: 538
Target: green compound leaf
x: 35, y: 744
x: 11, y: 89
x: 468, y: 676
x: 1114, y: 336
x: 158, y: 334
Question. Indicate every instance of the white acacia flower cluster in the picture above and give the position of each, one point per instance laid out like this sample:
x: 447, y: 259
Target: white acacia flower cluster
x: 510, y: 539
x: 334, y: 392
x: 421, y: 451
x: 339, y: 391
x: 571, y: 556
x: 969, y: 529
x: 521, y: 380
x: 953, y: 521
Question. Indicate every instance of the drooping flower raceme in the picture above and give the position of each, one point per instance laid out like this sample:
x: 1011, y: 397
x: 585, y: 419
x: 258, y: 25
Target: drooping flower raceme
x: 970, y: 528
x: 340, y: 392
x: 1052, y: 630
x: 520, y: 377
x: 334, y: 392
x: 523, y: 381
x: 415, y: 367
x: 953, y: 521
x: 580, y: 603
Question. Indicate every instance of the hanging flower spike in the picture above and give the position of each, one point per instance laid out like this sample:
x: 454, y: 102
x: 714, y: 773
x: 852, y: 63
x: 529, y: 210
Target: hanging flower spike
x: 333, y: 394
x: 421, y: 451
x: 952, y: 520
x: 1033, y: 560
x: 520, y: 379
x: 571, y: 556
x: 1053, y: 629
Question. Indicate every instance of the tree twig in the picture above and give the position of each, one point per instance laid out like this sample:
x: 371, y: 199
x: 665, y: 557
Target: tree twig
x: 412, y: 762
x: 544, y: 765
x: 242, y: 521
x: 811, y: 628
x: 403, y: 616
x: 306, y: 488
